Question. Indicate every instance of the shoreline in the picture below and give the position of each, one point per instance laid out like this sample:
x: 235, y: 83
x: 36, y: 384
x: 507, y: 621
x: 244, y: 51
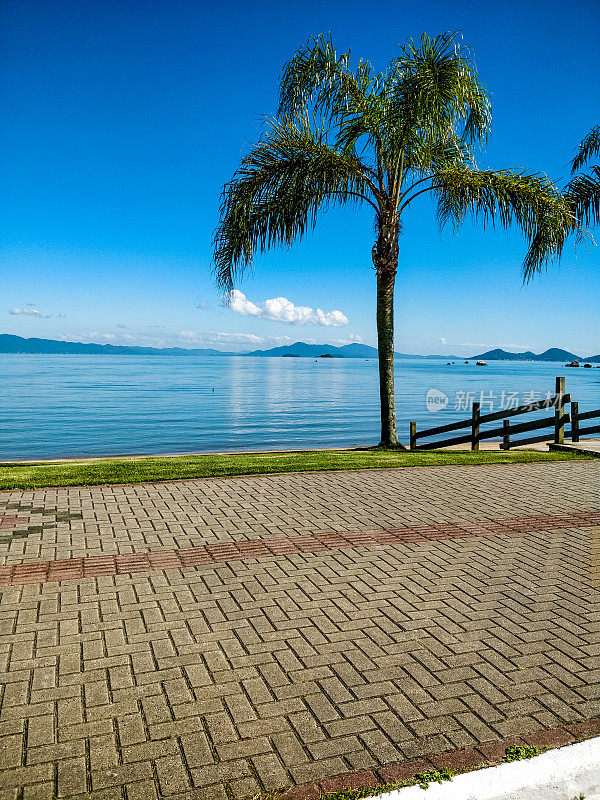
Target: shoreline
x: 487, y: 446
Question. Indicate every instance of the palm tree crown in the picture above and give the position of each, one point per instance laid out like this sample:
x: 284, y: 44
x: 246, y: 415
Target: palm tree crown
x: 346, y: 133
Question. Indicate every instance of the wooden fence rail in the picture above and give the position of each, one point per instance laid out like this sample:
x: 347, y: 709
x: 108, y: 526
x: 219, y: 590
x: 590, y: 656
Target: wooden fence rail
x: 576, y: 418
x: 557, y: 421
x: 509, y: 430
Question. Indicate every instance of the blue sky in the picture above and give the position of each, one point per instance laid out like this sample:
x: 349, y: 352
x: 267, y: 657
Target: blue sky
x: 122, y: 120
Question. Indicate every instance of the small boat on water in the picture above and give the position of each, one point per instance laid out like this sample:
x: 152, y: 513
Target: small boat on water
x: 481, y: 364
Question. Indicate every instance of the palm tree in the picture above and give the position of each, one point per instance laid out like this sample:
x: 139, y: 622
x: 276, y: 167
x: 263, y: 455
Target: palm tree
x: 346, y: 134
x: 584, y: 190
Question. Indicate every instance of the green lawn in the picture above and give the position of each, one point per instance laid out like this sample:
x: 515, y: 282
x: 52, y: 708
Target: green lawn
x: 163, y: 468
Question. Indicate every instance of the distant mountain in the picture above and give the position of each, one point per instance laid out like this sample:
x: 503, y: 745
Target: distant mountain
x: 502, y: 355
x: 303, y: 350
x: 553, y: 354
x: 17, y: 344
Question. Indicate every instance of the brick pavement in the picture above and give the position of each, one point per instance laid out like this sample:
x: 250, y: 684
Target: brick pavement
x: 77, y: 522
x: 227, y: 678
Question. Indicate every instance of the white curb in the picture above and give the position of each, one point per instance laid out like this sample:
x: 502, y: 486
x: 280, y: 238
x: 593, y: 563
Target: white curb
x: 562, y: 774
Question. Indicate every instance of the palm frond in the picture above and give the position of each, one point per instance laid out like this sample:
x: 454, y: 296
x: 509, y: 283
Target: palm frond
x: 532, y: 202
x: 589, y: 147
x: 426, y: 155
x: 277, y: 191
x: 584, y: 190
x: 320, y: 80
x: 584, y: 193
x: 318, y: 75
x: 436, y: 90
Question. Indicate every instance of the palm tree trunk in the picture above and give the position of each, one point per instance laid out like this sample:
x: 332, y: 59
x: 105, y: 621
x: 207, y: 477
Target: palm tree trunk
x: 385, y: 259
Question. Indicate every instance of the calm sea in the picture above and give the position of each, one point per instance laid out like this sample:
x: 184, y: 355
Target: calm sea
x: 74, y: 406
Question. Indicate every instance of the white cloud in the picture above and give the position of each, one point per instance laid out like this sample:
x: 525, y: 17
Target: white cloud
x: 355, y: 338
x: 213, y: 337
x: 245, y: 338
x: 31, y: 311
x: 280, y: 309
x: 28, y: 311
x: 239, y: 303
x: 469, y: 344
x: 109, y: 337
x: 278, y: 339
x: 188, y: 339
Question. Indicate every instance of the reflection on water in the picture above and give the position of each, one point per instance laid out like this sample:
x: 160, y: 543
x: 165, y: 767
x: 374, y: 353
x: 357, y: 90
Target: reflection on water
x: 60, y: 406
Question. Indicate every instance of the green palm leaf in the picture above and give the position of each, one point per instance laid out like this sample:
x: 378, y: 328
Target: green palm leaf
x: 435, y: 89
x: 531, y: 202
x: 584, y: 190
x: 278, y: 190
x: 589, y: 147
x: 584, y: 194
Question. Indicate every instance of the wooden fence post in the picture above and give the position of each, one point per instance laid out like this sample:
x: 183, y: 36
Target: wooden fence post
x: 413, y: 435
x: 475, y: 427
x: 575, y: 422
x: 506, y: 434
x: 559, y: 411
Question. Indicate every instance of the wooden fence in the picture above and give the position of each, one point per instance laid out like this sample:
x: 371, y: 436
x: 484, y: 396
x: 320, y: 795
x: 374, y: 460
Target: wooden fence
x: 475, y: 435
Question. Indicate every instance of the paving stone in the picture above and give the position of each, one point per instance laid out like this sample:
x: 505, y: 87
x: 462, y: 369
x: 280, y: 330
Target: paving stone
x: 549, y: 738
x: 354, y: 780
x: 72, y: 776
x: 270, y: 770
x: 404, y: 771
x: 458, y: 760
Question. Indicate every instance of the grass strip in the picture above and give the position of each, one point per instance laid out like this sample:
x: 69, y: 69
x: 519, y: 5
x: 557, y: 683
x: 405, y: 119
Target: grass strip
x: 89, y: 472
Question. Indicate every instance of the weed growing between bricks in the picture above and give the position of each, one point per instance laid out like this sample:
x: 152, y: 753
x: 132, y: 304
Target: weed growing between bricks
x: 422, y: 779
x: 518, y: 752
x: 432, y: 776
x: 343, y: 794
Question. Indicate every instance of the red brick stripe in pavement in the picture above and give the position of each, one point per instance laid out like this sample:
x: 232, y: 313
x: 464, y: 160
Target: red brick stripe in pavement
x: 10, y: 520
x: 458, y: 760
x: 94, y: 566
